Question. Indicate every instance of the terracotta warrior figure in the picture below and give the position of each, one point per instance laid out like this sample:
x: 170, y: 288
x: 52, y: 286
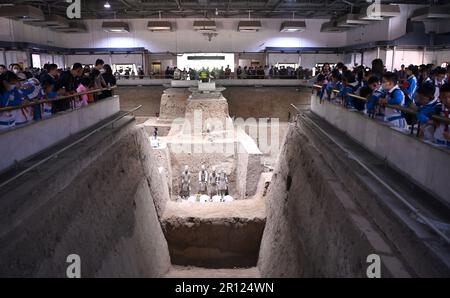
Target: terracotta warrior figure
x: 222, y: 183
x: 185, y: 183
x: 203, y: 180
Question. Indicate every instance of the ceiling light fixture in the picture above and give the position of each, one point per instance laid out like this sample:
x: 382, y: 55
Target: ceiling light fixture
x: 293, y: 26
x: 116, y: 27
x: 249, y: 26
x: 107, y: 5
x: 159, y: 26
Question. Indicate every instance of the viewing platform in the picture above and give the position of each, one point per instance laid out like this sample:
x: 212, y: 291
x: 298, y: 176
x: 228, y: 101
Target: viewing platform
x: 48, y: 132
x: 220, y: 82
x: 425, y: 163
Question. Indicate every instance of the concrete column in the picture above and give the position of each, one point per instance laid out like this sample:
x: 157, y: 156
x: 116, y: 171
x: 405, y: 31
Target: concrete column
x: 393, y: 57
x: 29, y: 59
x: 145, y: 63
x: 378, y: 52
x: 423, y: 54
x: 236, y: 61
x: 4, y: 57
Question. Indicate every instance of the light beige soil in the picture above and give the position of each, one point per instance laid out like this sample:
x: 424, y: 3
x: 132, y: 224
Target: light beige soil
x: 196, y: 272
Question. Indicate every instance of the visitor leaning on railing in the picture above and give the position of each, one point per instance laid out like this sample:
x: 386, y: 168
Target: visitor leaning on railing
x: 20, y: 104
x: 9, y: 97
x: 429, y: 113
x: 257, y: 73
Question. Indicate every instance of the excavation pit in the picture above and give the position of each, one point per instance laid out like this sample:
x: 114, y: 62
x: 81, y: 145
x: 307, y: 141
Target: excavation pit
x: 111, y: 200
x: 214, y: 235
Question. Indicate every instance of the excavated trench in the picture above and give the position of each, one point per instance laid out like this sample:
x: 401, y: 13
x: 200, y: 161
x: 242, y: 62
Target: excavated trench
x: 108, y: 200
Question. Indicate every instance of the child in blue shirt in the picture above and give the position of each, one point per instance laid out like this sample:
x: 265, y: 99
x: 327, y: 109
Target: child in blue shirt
x: 335, y: 84
x: 9, y: 97
x: 50, y: 93
x: 442, y: 132
x: 428, y: 106
x: 32, y: 90
x: 411, y: 89
x: 376, y: 92
x: 322, y: 81
x: 349, y: 86
x: 394, y: 97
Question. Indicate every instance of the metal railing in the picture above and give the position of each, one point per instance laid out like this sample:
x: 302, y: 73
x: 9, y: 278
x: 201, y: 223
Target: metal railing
x: 55, y: 154
x: 397, y: 107
x: 216, y: 77
x: 58, y: 99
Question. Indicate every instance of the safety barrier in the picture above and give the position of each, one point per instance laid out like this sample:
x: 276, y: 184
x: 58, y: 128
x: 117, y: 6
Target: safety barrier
x: 220, y: 77
x: 58, y: 99
x: 23, y: 141
x: 81, y: 139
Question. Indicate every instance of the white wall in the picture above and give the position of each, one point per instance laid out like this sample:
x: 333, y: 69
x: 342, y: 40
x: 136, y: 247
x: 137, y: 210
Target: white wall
x: 2, y: 57
x: 369, y: 56
x: 59, y: 60
x: 275, y: 58
x: 417, y: 57
x: 11, y: 30
x: 85, y: 59
x: 407, y: 57
x: 388, y: 29
x: 442, y: 56
x: 310, y: 60
x: 437, y: 57
x: 109, y: 59
x: 183, y: 62
x: 185, y: 39
x: 369, y: 33
x: 17, y: 57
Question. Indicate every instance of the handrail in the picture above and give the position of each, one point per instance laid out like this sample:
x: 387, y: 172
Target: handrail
x: 34, y: 103
x: 218, y: 77
x: 68, y: 147
x: 400, y: 108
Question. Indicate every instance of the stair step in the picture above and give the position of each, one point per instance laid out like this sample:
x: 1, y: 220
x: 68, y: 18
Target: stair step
x: 198, y: 272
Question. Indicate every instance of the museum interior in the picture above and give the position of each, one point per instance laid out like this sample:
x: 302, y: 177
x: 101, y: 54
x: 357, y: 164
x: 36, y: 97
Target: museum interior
x: 224, y: 139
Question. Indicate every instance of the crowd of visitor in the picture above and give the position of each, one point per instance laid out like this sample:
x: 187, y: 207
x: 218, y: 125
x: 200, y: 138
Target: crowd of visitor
x: 246, y: 72
x: 393, y: 97
x: 19, y: 87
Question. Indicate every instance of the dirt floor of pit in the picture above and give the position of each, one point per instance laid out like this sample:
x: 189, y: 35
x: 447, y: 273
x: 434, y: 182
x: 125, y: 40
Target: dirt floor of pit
x: 216, y: 235
x: 250, y: 208
x: 195, y: 272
